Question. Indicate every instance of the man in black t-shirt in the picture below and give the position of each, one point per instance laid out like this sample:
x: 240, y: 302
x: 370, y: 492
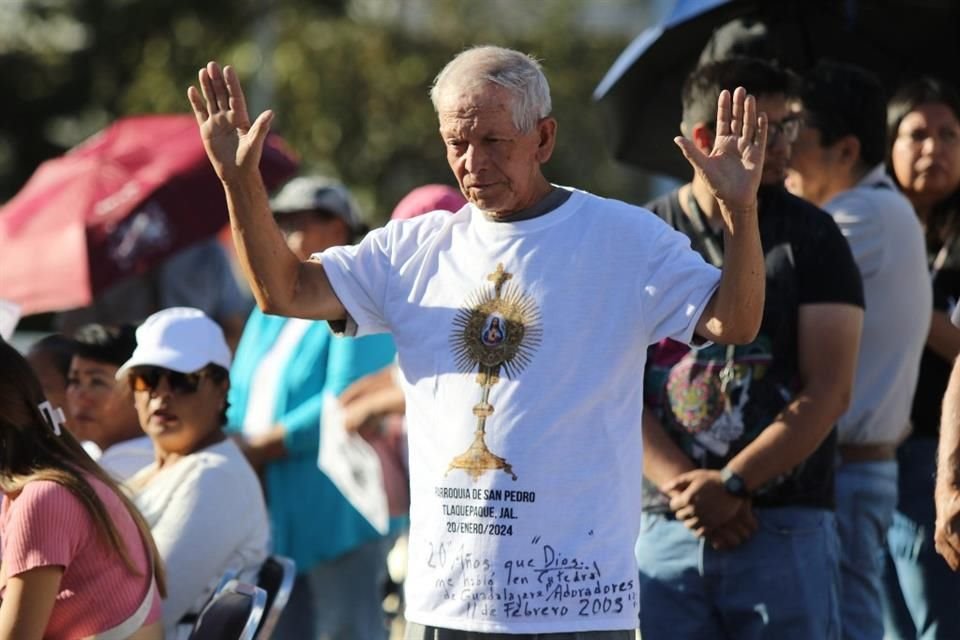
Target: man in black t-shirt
x: 739, y: 537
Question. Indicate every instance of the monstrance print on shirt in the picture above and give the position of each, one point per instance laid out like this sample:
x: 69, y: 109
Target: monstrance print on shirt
x: 497, y: 332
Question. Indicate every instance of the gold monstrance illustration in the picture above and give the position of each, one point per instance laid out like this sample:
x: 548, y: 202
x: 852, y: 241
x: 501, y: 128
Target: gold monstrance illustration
x: 498, y: 331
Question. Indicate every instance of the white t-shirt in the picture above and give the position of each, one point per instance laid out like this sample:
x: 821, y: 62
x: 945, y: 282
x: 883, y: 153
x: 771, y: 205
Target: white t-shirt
x: 545, y: 545
x: 887, y: 242
x: 207, y: 515
x: 262, y: 405
x: 126, y: 458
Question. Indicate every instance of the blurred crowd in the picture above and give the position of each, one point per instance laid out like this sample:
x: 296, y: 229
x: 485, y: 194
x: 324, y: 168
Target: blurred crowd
x: 215, y: 441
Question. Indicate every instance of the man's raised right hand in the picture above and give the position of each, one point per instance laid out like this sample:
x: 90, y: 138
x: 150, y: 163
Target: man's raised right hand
x: 232, y: 144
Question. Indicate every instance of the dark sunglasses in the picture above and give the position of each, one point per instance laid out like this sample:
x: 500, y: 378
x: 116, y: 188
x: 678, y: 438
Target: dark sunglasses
x: 148, y: 379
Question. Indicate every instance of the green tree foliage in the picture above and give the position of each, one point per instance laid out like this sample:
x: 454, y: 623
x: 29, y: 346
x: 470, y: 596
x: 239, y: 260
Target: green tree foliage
x: 350, y: 89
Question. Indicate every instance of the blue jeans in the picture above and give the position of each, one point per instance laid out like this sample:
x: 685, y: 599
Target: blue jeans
x: 866, y: 499
x: 781, y: 584
x: 922, y: 593
x: 341, y: 599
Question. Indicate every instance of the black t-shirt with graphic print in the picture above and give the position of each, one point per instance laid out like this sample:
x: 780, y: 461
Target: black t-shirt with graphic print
x: 713, y: 401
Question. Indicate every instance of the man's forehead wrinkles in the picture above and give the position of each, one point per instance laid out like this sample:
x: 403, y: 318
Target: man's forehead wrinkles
x: 457, y: 124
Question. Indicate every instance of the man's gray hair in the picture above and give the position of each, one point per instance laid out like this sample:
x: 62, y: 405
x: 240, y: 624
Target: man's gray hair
x: 515, y: 71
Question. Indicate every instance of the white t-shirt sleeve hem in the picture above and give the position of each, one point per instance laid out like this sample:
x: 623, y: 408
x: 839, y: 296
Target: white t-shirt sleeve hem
x: 345, y: 328
x: 528, y: 625
x: 690, y: 335
x: 357, y: 323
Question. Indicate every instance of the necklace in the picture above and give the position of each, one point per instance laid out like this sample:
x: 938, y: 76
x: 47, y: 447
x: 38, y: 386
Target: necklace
x: 713, y: 243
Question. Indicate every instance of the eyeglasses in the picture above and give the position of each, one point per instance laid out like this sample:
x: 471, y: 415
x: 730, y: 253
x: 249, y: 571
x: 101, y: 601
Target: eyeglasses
x: 148, y: 379
x: 789, y: 128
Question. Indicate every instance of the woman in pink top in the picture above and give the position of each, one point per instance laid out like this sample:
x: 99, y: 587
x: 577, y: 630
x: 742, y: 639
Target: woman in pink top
x: 78, y: 561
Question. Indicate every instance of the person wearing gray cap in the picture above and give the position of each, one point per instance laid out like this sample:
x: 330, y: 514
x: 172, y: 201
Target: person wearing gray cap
x: 282, y: 370
x: 318, y: 199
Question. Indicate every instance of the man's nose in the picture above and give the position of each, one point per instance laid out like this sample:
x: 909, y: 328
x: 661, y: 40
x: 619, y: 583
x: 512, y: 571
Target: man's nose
x: 474, y: 158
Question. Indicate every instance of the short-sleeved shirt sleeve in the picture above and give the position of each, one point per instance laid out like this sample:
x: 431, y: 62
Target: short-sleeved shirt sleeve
x: 826, y: 269
x: 360, y: 275
x: 679, y: 286
x: 45, y: 526
x: 365, y: 275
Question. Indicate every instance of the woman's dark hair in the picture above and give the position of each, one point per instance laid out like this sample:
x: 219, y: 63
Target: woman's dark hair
x: 908, y: 97
x: 58, y: 348
x: 30, y: 449
x: 218, y: 374
x: 945, y: 216
x: 105, y: 343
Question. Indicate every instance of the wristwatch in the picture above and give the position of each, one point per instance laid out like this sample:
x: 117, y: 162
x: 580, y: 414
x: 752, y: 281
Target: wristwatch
x: 734, y: 483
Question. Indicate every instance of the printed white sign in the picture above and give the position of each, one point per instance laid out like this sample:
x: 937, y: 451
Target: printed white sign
x: 353, y: 466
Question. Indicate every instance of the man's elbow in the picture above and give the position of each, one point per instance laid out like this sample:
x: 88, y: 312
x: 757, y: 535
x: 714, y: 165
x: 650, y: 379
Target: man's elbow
x: 843, y: 397
x: 835, y: 399
x: 269, y: 306
x: 745, y: 332
x: 737, y: 323
x: 275, y: 301
x: 739, y: 331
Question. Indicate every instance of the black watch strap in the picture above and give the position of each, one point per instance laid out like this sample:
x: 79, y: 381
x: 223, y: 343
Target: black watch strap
x: 734, y: 483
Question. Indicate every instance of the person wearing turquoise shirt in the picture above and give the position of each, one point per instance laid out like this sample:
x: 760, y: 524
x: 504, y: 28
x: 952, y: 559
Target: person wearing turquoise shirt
x: 282, y: 370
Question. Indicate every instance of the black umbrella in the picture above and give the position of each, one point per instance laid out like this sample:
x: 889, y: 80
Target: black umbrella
x: 897, y: 39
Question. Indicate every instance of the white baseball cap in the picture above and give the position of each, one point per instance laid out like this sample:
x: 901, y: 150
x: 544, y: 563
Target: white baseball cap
x: 181, y: 339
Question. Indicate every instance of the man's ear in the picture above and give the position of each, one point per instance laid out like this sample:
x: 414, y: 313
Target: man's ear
x: 847, y: 150
x: 702, y: 136
x: 547, y: 131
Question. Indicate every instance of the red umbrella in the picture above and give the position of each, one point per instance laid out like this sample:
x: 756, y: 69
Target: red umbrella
x: 116, y: 205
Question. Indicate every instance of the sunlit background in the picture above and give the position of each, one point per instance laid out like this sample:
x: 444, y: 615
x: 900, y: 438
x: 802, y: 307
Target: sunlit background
x: 348, y: 79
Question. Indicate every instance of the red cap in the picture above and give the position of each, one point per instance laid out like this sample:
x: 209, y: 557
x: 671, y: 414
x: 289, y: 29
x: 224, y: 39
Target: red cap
x: 430, y: 197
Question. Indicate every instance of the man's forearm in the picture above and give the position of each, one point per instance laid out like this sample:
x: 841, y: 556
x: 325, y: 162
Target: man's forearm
x: 948, y: 454
x: 793, y: 436
x: 662, y: 459
x: 738, y: 303
x: 944, y: 338
x: 271, y: 269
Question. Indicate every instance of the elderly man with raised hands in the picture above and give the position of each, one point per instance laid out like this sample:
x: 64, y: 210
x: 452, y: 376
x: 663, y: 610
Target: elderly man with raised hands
x: 520, y: 323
